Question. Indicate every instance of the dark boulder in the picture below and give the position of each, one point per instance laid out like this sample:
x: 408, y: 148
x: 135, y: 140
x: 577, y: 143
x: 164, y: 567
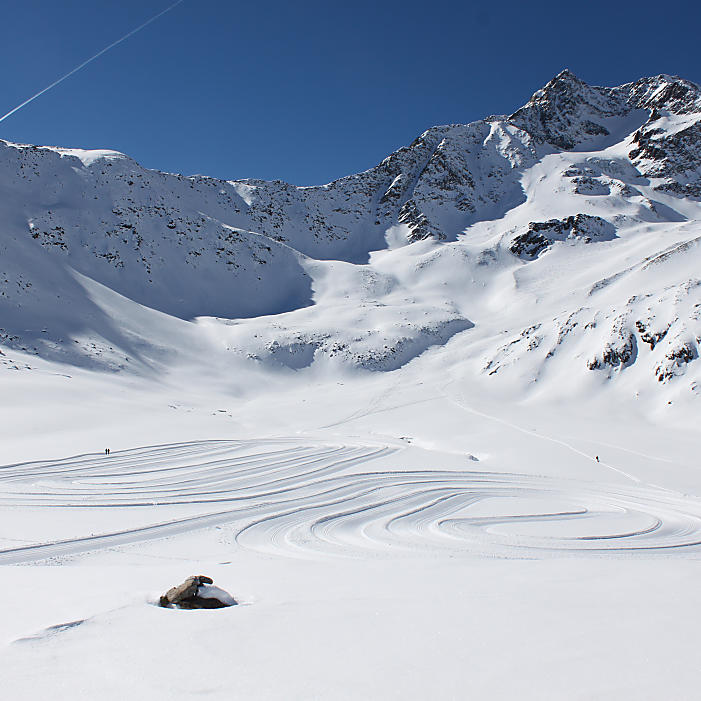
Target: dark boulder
x: 197, y: 592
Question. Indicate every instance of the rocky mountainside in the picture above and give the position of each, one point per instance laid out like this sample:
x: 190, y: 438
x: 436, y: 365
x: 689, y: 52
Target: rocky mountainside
x: 565, y: 236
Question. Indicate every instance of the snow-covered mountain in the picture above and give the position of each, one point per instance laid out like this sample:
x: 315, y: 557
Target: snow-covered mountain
x: 426, y: 423
x: 558, y: 243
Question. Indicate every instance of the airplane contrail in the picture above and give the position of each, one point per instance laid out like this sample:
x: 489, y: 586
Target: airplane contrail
x: 91, y: 59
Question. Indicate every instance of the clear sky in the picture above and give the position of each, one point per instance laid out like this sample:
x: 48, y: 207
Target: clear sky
x: 310, y: 91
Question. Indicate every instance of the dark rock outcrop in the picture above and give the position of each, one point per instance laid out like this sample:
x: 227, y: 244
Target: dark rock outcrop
x: 196, y: 593
x: 540, y: 235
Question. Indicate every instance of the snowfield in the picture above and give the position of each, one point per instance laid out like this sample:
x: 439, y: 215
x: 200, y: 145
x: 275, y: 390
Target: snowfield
x: 434, y: 426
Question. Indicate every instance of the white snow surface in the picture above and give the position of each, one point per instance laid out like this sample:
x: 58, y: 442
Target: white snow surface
x: 209, y: 591
x: 434, y: 426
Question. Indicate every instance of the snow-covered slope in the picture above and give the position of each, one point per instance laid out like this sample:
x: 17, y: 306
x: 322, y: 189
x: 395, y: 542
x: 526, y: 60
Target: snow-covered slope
x: 434, y: 425
x: 565, y: 234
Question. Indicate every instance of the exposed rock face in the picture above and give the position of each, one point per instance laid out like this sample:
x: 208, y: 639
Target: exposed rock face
x: 567, y: 113
x: 196, y: 592
x: 540, y: 235
x: 675, y: 359
x: 674, y: 157
x: 617, y: 353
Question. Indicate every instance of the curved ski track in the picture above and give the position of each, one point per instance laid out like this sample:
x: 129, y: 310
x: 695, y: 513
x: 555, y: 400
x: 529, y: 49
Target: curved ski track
x: 300, y: 497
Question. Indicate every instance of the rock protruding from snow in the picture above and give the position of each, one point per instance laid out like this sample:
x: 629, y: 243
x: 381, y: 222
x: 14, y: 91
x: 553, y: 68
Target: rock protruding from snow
x: 567, y: 112
x: 197, y: 592
x: 541, y: 235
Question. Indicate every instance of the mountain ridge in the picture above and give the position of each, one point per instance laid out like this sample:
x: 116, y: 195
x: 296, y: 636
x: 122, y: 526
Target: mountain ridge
x: 577, y: 166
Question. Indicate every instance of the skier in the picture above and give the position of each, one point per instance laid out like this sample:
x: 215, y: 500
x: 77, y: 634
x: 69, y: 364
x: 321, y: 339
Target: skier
x: 597, y: 458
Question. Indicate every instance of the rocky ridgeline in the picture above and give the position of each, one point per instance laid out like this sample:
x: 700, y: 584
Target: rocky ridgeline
x: 567, y: 113
x: 448, y: 178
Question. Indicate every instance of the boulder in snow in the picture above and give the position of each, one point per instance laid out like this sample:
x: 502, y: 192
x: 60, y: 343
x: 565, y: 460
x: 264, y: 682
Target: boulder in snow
x: 197, y: 592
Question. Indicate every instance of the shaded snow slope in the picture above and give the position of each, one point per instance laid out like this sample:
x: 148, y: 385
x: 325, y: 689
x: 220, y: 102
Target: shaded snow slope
x: 556, y: 243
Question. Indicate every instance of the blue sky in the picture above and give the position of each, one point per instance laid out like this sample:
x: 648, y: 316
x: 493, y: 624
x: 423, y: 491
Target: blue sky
x: 310, y: 91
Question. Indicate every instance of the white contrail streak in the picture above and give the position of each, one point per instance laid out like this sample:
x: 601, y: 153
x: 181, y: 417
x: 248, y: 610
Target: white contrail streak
x: 91, y: 59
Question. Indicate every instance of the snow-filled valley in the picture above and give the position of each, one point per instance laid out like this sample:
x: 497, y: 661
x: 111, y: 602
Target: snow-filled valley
x: 434, y: 425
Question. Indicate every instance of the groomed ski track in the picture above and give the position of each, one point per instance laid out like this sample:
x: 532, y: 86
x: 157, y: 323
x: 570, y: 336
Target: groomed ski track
x: 305, y: 498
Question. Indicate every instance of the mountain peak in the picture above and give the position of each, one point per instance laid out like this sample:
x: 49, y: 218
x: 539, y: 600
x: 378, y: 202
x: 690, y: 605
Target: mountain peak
x: 564, y: 83
x: 566, y: 111
x: 565, y: 77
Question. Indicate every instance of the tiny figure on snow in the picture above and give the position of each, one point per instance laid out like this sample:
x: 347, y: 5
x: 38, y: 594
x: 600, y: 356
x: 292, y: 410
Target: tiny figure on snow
x: 107, y: 451
x: 597, y: 458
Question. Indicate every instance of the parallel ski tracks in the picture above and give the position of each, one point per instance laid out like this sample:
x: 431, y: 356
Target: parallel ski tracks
x: 296, y: 497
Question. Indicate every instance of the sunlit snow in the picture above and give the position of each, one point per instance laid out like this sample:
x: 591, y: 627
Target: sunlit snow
x: 434, y: 426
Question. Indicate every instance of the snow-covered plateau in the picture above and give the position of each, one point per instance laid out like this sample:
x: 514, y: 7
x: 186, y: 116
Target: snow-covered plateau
x: 434, y: 426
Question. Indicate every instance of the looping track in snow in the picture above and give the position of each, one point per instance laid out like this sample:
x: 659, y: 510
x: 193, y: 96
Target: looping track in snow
x: 296, y: 497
